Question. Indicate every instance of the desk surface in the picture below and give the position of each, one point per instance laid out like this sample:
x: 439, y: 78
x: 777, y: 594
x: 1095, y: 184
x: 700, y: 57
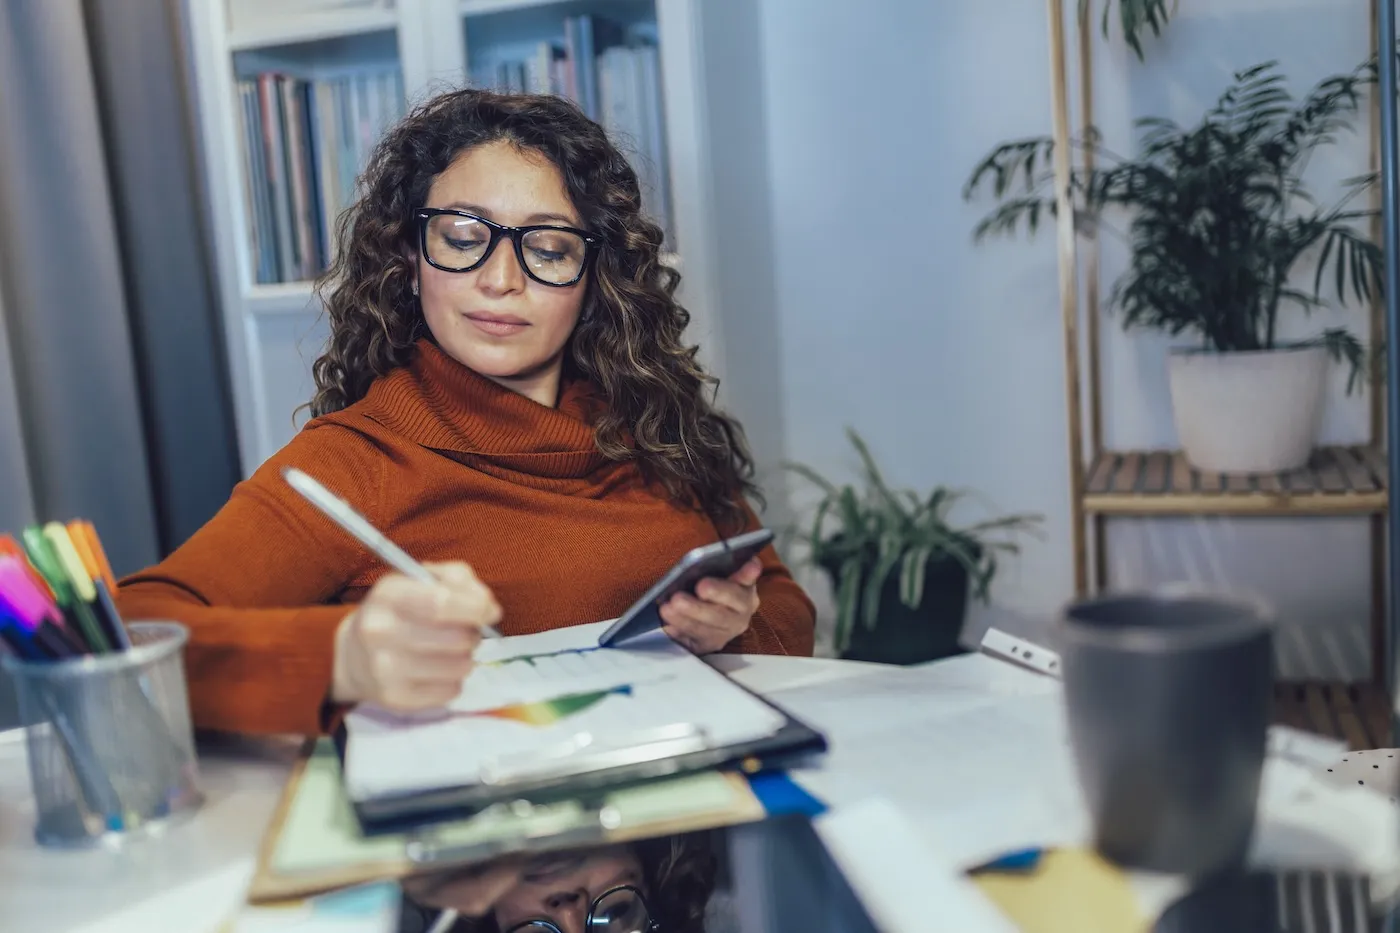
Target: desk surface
x: 191, y: 879
x: 929, y: 782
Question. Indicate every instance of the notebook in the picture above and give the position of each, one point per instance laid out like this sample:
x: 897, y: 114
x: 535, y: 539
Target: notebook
x: 555, y: 714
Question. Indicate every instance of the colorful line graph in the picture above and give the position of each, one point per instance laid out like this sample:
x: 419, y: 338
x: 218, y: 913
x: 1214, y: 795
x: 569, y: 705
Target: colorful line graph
x: 548, y: 712
x: 532, y: 658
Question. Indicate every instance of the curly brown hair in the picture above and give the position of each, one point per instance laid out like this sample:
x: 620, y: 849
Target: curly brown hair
x: 628, y: 341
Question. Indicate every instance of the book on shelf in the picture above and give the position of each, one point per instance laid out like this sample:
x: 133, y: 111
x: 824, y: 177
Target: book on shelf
x: 304, y: 144
x: 615, y: 78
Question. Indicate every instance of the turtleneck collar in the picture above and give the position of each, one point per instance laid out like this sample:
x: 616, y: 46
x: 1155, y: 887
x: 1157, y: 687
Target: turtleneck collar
x: 440, y: 404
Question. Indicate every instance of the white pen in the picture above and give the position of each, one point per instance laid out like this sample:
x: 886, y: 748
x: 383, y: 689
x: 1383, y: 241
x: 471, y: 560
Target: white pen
x: 444, y: 921
x: 344, y: 515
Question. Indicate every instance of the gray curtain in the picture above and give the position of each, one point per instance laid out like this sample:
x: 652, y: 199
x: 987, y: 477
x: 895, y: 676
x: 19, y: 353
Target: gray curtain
x: 115, y: 402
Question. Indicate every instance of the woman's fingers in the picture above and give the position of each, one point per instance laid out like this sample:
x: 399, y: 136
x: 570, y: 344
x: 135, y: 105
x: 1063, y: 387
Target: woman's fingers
x: 737, y: 597
x: 433, y: 639
x: 451, y: 604
x: 410, y: 643
x: 688, y: 611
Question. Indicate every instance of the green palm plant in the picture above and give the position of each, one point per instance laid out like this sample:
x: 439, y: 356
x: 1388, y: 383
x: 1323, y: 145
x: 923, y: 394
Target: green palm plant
x: 1221, y: 217
x: 878, y: 530
x: 1134, y: 16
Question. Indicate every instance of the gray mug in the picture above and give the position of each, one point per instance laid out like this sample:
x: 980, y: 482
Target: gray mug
x: 1169, y: 699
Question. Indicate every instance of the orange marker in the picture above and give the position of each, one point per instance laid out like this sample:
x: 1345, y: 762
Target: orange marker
x: 98, y: 567
x: 83, y: 545
x: 94, y: 565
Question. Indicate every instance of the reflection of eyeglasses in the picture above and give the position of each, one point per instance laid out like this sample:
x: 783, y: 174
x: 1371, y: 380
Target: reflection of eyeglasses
x: 616, y: 910
x: 455, y: 241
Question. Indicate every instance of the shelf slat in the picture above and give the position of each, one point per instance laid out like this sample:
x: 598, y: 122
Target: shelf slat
x: 311, y: 27
x: 1355, y: 713
x: 478, y: 7
x: 1338, y: 481
x: 280, y: 298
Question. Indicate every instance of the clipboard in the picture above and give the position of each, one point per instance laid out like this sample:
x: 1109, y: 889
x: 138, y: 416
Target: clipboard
x: 314, y: 843
x: 588, y: 773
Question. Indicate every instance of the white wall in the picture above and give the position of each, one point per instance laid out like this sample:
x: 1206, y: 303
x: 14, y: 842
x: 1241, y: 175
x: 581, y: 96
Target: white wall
x: 948, y: 356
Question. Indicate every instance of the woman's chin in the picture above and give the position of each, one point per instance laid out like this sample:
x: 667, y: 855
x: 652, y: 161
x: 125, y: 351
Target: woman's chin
x: 509, y: 366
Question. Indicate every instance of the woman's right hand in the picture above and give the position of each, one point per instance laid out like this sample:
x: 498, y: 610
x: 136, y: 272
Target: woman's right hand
x: 408, y: 646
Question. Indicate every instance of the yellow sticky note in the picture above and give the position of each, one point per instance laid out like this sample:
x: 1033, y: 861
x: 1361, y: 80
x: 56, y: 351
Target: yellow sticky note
x: 1070, y: 891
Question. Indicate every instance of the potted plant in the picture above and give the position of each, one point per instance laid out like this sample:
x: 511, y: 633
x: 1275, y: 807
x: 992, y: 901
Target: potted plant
x: 1221, y: 221
x: 900, y: 569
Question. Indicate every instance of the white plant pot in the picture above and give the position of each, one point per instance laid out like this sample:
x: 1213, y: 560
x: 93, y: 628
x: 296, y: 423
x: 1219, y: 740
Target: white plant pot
x: 1253, y: 412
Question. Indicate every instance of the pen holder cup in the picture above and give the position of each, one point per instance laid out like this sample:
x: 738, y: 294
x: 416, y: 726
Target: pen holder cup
x: 111, y: 748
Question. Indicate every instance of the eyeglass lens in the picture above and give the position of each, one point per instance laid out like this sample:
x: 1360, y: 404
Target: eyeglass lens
x: 619, y: 911
x: 459, y: 243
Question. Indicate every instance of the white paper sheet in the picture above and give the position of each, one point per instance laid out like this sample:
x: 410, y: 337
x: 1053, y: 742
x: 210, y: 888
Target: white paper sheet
x: 982, y: 770
x: 978, y: 773
x: 650, y: 684
x: 902, y: 881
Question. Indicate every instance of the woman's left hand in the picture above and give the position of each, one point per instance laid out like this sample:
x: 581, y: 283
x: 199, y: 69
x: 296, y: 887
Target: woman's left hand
x: 719, y: 612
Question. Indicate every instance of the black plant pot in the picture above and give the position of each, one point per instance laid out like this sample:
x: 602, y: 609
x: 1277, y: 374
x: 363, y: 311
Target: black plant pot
x: 902, y: 635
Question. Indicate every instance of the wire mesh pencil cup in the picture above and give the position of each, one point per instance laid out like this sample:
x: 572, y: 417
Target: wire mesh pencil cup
x: 111, y: 748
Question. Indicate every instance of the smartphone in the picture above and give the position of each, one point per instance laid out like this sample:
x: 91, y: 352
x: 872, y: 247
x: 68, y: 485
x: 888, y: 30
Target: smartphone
x: 713, y: 560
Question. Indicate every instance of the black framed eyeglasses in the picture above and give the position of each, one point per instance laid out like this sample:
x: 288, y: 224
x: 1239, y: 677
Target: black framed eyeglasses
x: 617, y: 910
x: 456, y: 241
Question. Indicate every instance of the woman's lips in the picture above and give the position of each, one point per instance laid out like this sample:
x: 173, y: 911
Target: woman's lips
x: 497, y: 325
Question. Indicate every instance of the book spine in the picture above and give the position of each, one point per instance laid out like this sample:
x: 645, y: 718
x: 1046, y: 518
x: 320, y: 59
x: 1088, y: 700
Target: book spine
x: 271, y: 100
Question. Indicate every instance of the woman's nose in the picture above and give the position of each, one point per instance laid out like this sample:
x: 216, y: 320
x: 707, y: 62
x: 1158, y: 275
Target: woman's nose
x: 571, y: 919
x: 501, y: 273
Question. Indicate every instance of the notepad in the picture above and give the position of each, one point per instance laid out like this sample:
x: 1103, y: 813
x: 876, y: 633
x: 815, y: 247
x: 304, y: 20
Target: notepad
x: 536, y: 695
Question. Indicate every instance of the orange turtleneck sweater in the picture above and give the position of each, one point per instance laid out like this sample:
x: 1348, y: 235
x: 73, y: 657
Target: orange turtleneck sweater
x: 450, y: 466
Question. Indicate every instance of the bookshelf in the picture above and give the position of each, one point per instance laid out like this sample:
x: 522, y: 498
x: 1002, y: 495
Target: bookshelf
x: 292, y: 94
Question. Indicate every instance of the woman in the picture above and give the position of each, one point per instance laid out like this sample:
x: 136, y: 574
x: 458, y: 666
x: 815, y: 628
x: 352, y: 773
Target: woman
x: 661, y: 885
x: 505, y: 394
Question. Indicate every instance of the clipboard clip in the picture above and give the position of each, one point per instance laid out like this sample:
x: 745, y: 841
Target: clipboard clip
x: 583, y: 754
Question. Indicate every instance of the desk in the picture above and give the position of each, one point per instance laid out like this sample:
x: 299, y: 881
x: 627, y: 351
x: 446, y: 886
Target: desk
x: 191, y: 880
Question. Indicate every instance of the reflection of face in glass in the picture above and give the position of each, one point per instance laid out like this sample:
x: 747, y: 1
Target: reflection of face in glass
x: 598, y: 891
x: 660, y: 885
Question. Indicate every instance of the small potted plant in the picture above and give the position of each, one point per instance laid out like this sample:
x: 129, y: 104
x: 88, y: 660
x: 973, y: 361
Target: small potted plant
x: 1221, y: 221
x: 900, y: 569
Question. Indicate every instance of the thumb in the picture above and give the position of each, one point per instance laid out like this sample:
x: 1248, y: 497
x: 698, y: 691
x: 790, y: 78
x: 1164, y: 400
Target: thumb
x: 748, y: 574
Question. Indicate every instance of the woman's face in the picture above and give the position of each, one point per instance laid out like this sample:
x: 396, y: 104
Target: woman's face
x: 495, y: 319
x: 561, y: 888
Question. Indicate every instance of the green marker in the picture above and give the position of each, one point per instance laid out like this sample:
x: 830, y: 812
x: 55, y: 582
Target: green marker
x: 81, y: 620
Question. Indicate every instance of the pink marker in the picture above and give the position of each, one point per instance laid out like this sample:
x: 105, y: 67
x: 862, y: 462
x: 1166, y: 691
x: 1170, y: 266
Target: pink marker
x: 30, y: 605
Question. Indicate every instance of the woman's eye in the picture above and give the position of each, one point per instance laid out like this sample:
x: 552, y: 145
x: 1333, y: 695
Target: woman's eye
x: 460, y: 244
x: 561, y: 901
x: 547, y: 255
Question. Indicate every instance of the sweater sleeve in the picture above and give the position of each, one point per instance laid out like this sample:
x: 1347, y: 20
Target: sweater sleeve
x: 256, y: 588
x: 786, y: 619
